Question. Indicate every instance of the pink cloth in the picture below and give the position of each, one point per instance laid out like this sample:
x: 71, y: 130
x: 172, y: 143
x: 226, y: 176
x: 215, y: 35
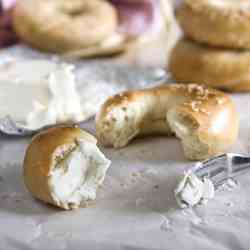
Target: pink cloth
x: 7, y: 35
x: 136, y: 17
x: 7, y: 4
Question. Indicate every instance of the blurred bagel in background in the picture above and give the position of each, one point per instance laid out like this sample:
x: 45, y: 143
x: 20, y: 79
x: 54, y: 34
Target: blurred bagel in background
x: 222, y: 23
x: 220, y: 68
x: 63, y: 26
x: 97, y: 28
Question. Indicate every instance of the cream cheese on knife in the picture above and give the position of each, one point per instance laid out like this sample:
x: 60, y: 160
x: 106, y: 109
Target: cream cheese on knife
x: 191, y: 190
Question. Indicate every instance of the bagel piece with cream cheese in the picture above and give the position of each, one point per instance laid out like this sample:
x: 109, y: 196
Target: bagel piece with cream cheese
x: 204, y: 119
x: 64, y: 167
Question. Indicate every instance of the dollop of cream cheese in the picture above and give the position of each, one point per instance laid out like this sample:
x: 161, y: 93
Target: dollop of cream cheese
x: 64, y: 103
x: 36, y: 93
x: 191, y: 190
x: 76, y: 178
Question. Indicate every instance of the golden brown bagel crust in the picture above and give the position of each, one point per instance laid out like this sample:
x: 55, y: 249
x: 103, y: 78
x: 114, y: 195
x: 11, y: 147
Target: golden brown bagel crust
x: 103, y: 49
x: 60, y: 26
x: 220, y: 68
x: 207, y: 120
x: 41, y: 156
x: 226, y: 25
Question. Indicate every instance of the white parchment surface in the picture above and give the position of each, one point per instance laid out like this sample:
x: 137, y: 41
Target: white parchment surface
x: 135, y: 208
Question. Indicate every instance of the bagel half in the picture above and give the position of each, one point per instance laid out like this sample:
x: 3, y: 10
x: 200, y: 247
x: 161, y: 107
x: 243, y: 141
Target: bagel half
x: 222, y: 23
x: 62, y: 26
x: 219, y: 68
x: 64, y: 167
x: 204, y: 119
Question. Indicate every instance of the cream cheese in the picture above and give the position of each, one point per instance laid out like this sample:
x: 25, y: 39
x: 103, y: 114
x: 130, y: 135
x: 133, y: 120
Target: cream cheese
x: 36, y: 93
x: 22, y: 86
x: 191, y: 190
x: 64, y: 103
x: 77, y: 178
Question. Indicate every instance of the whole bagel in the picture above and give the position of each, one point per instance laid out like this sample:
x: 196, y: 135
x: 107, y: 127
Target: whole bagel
x: 204, y: 119
x: 215, y: 67
x: 64, y: 25
x: 222, y: 23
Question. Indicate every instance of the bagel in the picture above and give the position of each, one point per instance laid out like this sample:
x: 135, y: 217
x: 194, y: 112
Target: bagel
x: 116, y: 44
x: 204, y: 119
x: 64, y: 25
x: 222, y: 23
x: 215, y: 67
x: 64, y: 167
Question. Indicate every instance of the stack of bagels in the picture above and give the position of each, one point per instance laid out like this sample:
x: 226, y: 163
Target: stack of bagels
x: 215, y: 48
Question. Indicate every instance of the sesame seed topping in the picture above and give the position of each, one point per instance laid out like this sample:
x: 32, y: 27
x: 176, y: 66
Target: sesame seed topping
x: 205, y: 111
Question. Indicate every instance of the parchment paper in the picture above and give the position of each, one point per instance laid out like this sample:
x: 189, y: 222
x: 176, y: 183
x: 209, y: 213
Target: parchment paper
x: 135, y: 208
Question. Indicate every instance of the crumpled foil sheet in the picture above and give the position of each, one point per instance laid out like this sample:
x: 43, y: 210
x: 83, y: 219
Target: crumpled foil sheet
x: 97, y: 79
